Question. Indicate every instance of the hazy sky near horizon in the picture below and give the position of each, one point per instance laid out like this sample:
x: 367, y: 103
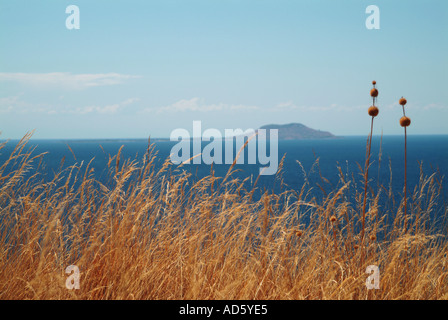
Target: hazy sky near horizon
x: 140, y: 68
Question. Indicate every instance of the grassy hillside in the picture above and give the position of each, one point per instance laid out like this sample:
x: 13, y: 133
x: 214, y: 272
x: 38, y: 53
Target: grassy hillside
x: 155, y: 235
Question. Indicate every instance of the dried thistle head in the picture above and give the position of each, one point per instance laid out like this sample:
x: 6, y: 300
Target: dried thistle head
x: 333, y: 219
x: 402, y: 101
x: 405, y: 121
x: 373, y: 111
x: 374, y: 92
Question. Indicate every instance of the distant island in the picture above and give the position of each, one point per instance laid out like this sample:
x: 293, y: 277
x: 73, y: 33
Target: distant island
x: 298, y: 131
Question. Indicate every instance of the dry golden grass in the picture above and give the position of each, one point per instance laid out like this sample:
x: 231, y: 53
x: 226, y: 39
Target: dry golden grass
x: 155, y: 235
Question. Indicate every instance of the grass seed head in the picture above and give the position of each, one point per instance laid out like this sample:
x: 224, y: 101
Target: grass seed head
x: 402, y: 101
x: 405, y: 121
x: 373, y: 111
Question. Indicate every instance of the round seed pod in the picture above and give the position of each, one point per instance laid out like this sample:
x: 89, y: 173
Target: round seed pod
x: 372, y: 237
x: 373, y: 111
x: 405, y: 121
x: 374, y: 92
x: 374, y: 82
x: 402, y: 101
x: 299, y: 233
x: 332, y: 219
x: 355, y: 247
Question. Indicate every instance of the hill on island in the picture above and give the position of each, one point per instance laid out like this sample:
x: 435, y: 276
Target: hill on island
x: 297, y: 131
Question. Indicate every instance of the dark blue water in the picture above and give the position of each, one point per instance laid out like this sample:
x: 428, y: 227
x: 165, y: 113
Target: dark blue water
x: 430, y: 151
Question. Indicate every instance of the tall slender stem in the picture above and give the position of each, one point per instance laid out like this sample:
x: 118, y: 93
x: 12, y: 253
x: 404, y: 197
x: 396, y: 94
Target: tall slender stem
x: 405, y: 175
x: 366, y: 177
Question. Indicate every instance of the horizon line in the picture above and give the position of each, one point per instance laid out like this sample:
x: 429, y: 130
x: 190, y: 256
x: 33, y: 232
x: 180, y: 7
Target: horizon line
x: 223, y: 138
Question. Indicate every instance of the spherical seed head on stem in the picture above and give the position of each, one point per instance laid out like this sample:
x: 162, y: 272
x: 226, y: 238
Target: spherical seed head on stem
x: 356, y: 247
x: 374, y: 92
x: 405, y: 121
x: 333, y: 219
x: 372, y: 237
x: 299, y: 233
x: 402, y: 101
x: 373, y: 111
x: 374, y: 82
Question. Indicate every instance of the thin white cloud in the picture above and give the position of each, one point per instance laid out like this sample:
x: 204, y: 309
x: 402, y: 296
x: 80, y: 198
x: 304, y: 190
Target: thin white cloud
x: 130, y: 101
x: 14, y: 104
x: 66, y: 80
x: 108, y: 109
x: 243, y: 107
x: 197, y: 104
x: 290, y: 106
x: 418, y: 107
x: 7, y: 104
x: 435, y: 106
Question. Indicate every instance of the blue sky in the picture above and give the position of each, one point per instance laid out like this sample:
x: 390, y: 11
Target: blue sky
x: 140, y: 68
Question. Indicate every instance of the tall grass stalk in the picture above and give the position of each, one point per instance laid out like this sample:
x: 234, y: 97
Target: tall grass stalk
x: 373, y: 112
x: 405, y: 122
